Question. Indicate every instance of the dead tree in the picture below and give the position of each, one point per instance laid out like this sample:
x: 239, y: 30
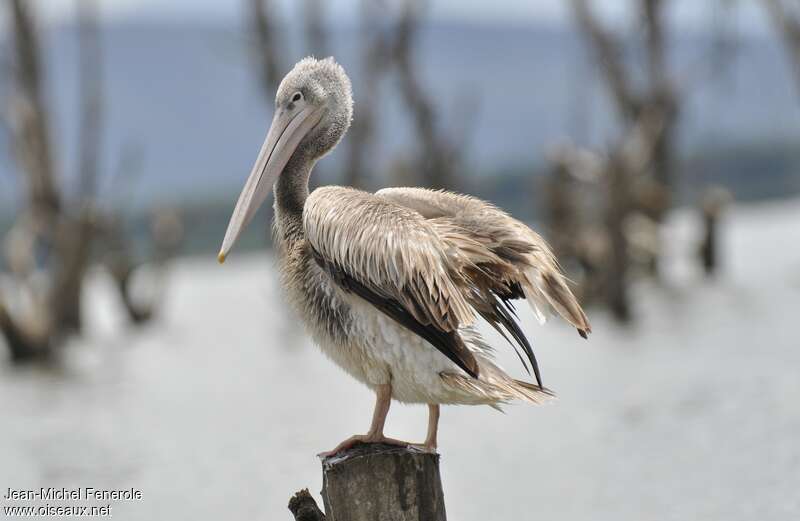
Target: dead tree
x: 785, y: 16
x: 661, y: 97
x: 30, y: 135
x: 50, y: 246
x: 388, y: 48
x: 658, y: 93
x: 376, y: 481
x: 636, y: 178
x: 624, y: 173
x: 75, y: 237
x: 41, y: 217
x: 376, y: 58
x: 166, y: 234
x: 439, y: 159
x: 607, y: 254
x: 569, y: 218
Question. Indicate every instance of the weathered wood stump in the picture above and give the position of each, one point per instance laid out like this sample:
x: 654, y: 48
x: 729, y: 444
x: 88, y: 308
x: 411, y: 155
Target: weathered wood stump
x: 304, y: 508
x: 376, y: 482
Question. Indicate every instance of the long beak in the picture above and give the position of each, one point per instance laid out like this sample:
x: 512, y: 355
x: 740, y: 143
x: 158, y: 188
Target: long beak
x: 285, y: 133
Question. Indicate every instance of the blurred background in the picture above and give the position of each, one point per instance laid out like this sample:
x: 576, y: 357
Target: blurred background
x: 655, y: 144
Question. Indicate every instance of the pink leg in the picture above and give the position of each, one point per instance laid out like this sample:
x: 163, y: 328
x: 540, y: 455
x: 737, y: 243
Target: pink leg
x: 383, y: 399
x: 433, y: 428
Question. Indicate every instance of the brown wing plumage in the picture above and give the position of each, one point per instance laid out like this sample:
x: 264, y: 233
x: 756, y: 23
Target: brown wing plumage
x: 507, y: 258
x: 393, y: 249
x: 393, y: 258
x: 431, y: 260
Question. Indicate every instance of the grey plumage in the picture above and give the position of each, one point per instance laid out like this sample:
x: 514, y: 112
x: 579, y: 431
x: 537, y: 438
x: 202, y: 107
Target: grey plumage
x: 323, y: 83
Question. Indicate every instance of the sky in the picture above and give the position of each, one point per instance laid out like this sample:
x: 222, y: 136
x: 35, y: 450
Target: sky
x: 684, y: 12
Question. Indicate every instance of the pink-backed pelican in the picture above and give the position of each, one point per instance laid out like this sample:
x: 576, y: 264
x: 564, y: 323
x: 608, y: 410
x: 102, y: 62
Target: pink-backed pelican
x: 390, y: 284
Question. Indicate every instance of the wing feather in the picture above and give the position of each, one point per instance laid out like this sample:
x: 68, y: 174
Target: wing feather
x: 390, y: 248
x: 525, y: 258
x: 432, y: 260
x: 393, y: 258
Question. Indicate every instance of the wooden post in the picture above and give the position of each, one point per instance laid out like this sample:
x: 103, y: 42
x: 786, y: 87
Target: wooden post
x: 380, y: 482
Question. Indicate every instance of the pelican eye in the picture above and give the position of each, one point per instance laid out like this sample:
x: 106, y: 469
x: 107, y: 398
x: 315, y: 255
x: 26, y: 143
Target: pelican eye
x: 297, y: 97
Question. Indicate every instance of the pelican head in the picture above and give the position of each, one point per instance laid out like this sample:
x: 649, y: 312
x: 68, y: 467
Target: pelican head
x: 313, y: 109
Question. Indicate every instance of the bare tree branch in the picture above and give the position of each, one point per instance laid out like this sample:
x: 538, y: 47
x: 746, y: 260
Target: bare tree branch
x: 656, y: 61
x: 610, y: 58
x: 659, y: 95
x: 376, y: 57
x: 28, y: 114
x: 439, y: 160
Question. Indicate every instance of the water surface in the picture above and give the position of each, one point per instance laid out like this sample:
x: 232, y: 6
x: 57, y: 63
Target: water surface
x: 217, y: 411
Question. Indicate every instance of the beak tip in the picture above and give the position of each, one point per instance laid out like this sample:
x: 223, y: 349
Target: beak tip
x: 221, y: 257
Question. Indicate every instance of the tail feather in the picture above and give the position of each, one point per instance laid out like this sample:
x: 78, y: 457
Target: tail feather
x: 533, y: 393
x: 498, y: 391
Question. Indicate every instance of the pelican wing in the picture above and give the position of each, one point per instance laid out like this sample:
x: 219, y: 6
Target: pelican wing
x: 393, y: 258
x: 522, y: 267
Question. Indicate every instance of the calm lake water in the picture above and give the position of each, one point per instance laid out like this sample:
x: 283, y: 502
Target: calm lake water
x: 217, y: 411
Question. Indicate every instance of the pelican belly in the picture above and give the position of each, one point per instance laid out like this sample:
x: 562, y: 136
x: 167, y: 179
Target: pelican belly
x: 409, y: 363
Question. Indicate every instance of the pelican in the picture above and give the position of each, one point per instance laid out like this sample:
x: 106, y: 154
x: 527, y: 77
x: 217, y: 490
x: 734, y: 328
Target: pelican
x: 390, y: 284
